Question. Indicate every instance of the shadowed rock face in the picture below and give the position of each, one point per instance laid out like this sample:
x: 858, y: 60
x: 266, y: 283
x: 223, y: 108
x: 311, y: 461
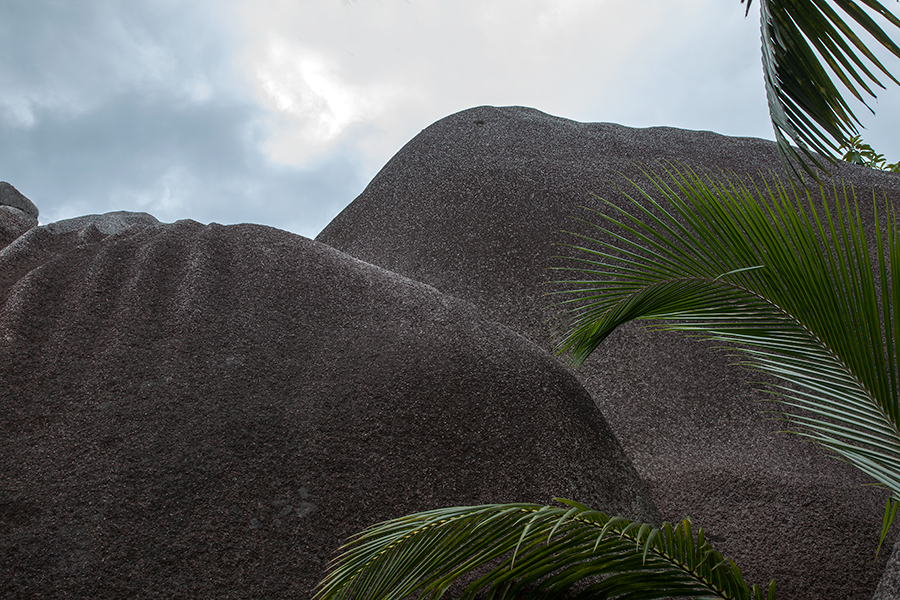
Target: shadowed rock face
x: 473, y: 206
x: 13, y: 223
x: 18, y: 214
x: 10, y: 196
x: 192, y: 411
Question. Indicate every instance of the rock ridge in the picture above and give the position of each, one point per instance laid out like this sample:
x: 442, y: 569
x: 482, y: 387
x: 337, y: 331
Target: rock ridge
x: 235, y: 401
x: 476, y: 204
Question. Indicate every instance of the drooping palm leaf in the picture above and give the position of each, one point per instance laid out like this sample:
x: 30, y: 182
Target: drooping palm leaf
x: 799, y: 39
x: 531, y: 551
x: 791, y: 284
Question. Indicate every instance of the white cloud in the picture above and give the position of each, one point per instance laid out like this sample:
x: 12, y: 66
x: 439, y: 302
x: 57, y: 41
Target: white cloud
x: 280, y: 111
x: 313, y: 106
x: 366, y: 76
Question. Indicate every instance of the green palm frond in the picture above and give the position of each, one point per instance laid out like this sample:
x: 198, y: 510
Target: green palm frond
x: 531, y: 551
x: 787, y: 281
x: 799, y: 39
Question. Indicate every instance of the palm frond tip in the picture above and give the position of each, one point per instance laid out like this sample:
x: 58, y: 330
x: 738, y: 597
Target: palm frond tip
x: 792, y: 282
x: 809, y: 47
x: 531, y: 551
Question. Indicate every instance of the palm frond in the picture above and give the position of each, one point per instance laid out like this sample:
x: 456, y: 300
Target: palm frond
x: 790, y: 283
x: 800, y: 38
x: 531, y: 551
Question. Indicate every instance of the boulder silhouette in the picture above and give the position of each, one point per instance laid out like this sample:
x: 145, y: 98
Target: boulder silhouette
x: 111, y: 222
x: 474, y: 206
x: 192, y: 411
x: 10, y: 196
x: 18, y: 214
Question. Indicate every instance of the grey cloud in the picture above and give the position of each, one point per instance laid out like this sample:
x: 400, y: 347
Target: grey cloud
x: 136, y: 106
x: 120, y: 155
x: 70, y: 55
x: 151, y: 105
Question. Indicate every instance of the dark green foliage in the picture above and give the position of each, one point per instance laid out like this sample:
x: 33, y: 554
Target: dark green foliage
x: 800, y: 39
x: 532, y: 551
x: 859, y: 153
x: 785, y: 279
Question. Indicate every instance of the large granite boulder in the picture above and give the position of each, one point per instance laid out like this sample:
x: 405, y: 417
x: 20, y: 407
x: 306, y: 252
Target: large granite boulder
x: 889, y: 584
x: 108, y: 223
x: 192, y: 411
x: 10, y: 196
x: 13, y: 223
x: 473, y: 206
x: 18, y: 214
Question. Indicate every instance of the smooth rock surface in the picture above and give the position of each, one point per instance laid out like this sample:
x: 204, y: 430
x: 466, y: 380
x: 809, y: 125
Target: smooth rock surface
x: 10, y: 196
x: 192, y: 411
x: 473, y: 206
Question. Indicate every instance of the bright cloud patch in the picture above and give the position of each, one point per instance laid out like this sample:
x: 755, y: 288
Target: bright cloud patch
x: 301, y: 84
x: 16, y: 111
x: 313, y: 106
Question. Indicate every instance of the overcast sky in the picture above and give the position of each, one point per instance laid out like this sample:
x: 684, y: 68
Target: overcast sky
x: 280, y: 111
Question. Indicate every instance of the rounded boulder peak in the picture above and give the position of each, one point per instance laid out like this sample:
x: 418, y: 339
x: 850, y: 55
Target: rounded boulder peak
x: 106, y: 223
x: 10, y: 196
x: 18, y: 214
x: 207, y: 411
x: 475, y: 205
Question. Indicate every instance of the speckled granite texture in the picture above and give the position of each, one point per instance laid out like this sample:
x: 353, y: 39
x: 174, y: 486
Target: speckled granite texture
x: 18, y: 214
x: 13, y: 223
x: 201, y: 412
x: 192, y: 411
x: 473, y: 206
x: 107, y: 223
x: 10, y: 196
x: 889, y: 584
